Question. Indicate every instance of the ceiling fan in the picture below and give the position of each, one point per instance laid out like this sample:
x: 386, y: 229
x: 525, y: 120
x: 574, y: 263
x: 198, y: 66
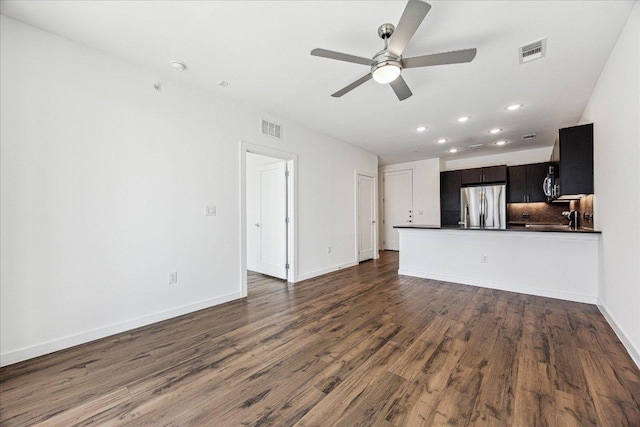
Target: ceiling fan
x: 387, y: 65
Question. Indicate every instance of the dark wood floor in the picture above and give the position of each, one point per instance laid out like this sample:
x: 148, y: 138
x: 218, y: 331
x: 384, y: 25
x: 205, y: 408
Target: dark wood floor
x: 362, y: 346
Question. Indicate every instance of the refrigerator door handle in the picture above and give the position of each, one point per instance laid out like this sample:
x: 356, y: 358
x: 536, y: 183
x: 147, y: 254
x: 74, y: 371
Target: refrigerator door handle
x: 485, y: 208
x: 482, y: 208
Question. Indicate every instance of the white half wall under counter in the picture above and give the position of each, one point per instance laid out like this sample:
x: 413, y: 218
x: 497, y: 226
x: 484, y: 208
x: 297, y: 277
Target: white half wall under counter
x: 544, y: 262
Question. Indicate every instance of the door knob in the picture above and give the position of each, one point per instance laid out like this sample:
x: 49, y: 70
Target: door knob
x: 257, y: 224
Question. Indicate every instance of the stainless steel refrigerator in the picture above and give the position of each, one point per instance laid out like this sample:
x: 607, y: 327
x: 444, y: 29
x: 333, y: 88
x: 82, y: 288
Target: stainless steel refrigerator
x: 484, y: 206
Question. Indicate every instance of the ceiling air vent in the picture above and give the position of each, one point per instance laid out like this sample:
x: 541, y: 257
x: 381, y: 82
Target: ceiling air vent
x: 270, y: 129
x: 533, y: 50
x: 475, y: 146
x: 528, y: 137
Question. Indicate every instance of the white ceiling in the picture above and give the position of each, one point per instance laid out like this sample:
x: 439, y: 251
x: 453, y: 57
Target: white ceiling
x: 262, y: 49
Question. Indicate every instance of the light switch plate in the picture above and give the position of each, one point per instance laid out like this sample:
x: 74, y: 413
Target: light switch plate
x: 210, y: 210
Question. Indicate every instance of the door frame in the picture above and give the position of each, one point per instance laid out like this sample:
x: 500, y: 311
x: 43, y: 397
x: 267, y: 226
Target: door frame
x: 292, y: 208
x: 374, y: 176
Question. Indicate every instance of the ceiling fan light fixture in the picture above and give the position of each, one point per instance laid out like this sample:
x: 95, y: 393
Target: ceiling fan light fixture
x: 386, y: 72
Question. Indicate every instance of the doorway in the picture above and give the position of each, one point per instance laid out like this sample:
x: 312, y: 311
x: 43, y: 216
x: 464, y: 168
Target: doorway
x: 268, y: 232
x: 266, y: 215
x: 365, y: 213
x: 397, y: 205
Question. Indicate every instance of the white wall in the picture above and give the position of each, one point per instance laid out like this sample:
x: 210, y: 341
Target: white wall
x: 614, y: 108
x: 426, y: 190
x: 104, y: 183
x: 523, y: 157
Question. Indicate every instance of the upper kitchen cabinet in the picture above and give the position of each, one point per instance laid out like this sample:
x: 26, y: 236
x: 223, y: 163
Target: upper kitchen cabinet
x: 525, y: 183
x: 572, y: 161
x: 483, y: 175
x: 576, y: 160
x: 450, y: 197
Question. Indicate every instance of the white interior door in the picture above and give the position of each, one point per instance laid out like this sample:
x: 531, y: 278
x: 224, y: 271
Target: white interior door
x: 266, y: 203
x: 366, y: 218
x: 272, y: 257
x: 398, y: 204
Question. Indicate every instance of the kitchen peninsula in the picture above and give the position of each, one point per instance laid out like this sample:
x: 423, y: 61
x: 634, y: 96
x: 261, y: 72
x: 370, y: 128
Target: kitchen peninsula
x: 556, y: 262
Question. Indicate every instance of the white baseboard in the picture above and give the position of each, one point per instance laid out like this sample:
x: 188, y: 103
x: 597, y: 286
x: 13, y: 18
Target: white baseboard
x: 62, y: 343
x: 633, y: 352
x: 317, y: 273
x: 547, y: 293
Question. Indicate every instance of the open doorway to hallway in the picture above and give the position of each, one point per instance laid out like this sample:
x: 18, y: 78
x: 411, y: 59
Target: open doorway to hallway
x: 268, y: 208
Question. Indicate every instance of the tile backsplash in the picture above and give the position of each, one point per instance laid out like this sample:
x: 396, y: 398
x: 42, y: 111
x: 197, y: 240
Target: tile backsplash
x: 584, y: 206
x: 551, y: 213
x: 533, y: 213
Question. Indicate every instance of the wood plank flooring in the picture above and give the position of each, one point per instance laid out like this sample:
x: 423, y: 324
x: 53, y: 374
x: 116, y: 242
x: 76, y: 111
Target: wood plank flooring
x: 362, y: 346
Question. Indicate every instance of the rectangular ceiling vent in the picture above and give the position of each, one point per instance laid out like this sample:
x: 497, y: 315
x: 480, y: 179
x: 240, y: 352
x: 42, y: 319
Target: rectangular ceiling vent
x: 476, y: 146
x: 270, y: 129
x: 528, y: 137
x: 533, y: 50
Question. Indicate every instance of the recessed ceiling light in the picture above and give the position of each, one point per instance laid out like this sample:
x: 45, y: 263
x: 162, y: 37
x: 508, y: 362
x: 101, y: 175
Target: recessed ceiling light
x: 501, y: 142
x: 442, y: 140
x: 496, y: 130
x: 421, y: 128
x: 463, y: 119
x: 453, y: 150
x: 513, y: 107
x: 178, y: 66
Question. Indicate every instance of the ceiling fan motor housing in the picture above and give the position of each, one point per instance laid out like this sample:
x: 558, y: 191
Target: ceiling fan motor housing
x: 385, y: 31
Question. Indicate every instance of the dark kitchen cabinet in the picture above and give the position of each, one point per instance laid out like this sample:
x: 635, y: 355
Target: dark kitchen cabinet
x: 448, y: 218
x: 575, y: 171
x: 536, y: 173
x: 494, y: 174
x: 483, y: 175
x: 517, y: 184
x: 471, y: 176
x: 450, y: 183
x: 525, y: 183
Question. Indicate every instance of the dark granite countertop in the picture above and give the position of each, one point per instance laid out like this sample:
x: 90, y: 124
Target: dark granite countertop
x: 555, y: 228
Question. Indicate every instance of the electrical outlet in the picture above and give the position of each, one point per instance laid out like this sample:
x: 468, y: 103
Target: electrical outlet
x: 485, y: 258
x: 328, y: 249
x: 210, y: 210
x: 173, y: 277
